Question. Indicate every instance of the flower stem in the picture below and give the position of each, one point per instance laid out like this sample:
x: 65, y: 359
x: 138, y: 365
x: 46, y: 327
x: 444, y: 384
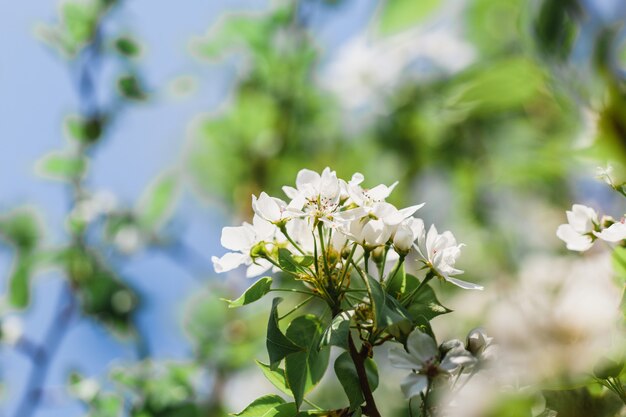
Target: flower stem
x: 283, y: 230
x: 406, y: 300
x: 324, y: 254
x: 395, y: 271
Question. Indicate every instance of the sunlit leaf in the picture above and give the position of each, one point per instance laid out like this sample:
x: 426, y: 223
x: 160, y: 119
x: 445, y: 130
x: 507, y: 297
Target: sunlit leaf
x: 255, y: 292
x: 260, y: 406
x: 62, y: 166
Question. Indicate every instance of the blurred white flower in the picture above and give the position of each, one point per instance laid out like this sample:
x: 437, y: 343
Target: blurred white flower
x: 577, y: 233
x: 128, y: 239
x: 11, y: 329
x: 366, y: 70
x: 422, y: 357
x: 86, y: 389
x: 604, y: 173
x: 559, y: 319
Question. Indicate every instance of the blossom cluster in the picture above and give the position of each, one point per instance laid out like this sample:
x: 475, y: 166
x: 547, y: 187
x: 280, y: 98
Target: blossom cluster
x: 584, y: 228
x: 347, y: 217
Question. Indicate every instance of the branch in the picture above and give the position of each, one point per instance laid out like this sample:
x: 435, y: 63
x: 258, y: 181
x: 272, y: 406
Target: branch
x: 358, y: 358
x: 44, y: 355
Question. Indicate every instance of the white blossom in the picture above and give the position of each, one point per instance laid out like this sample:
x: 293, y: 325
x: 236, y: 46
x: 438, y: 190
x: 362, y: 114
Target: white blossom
x: 422, y: 357
x: 440, y: 252
x: 11, y: 329
x: 577, y: 233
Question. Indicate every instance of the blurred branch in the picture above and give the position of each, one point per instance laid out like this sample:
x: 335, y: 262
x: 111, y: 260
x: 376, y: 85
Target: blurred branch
x: 43, y: 355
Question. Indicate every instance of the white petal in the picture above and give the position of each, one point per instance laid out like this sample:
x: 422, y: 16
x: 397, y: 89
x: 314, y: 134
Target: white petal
x: 409, y: 211
x: 573, y: 240
x: 400, y: 358
x: 237, y: 238
x: 307, y: 178
x: 357, y: 178
x: 267, y: 207
x: 413, y: 385
x: 464, y: 284
x: 613, y: 233
x: 290, y: 192
x: 259, y: 267
x: 229, y: 261
x: 421, y: 346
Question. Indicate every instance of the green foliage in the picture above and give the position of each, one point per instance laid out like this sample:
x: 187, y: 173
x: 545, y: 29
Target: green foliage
x: 348, y: 377
x: 425, y: 302
x: 158, y: 202
x: 130, y: 88
x: 482, y: 91
x: 21, y: 229
x: 337, y: 332
x: 255, y: 292
x: 303, y: 370
x: 261, y: 406
x: 127, y: 46
x: 278, y: 345
x: 398, y: 15
x: 86, y: 131
x: 581, y: 403
x: 275, y: 376
x: 62, y: 166
x: 166, y: 388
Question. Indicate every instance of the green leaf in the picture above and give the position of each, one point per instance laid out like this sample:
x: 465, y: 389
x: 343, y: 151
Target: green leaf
x: 398, y: 15
x: 275, y: 376
x: 87, y: 131
x: 619, y: 262
x: 252, y: 294
x: 607, y: 368
x: 282, y: 410
x: 387, y: 310
x: 303, y: 370
x: 127, y: 46
x: 425, y: 302
x: 62, y: 166
x: 130, y: 87
x: 336, y: 334
x: 278, y: 345
x: 19, y: 281
x: 481, y: 92
x: 80, y: 21
x: 296, y: 374
x: 349, y: 379
x: 396, y: 285
x: 22, y: 228
x: 158, y: 202
x: 286, y: 261
x: 260, y: 406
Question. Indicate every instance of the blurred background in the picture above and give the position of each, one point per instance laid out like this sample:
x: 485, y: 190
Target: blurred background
x: 133, y: 131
